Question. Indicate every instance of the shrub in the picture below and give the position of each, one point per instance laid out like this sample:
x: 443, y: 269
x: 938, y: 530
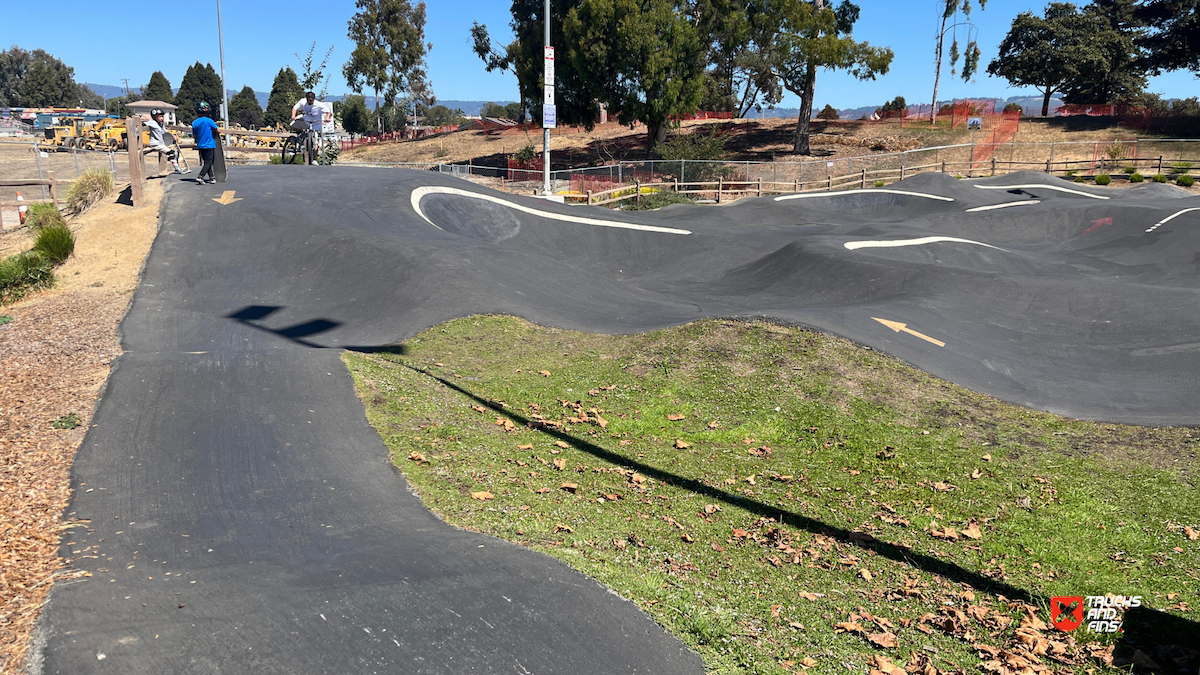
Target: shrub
x: 1136, y: 177
x: 656, y: 201
x: 1013, y: 107
x: 91, y: 186
x: 526, y: 153
x: 692, y: 146
x: 21, y: 272
x: 1185, y: 181
x: 1079, y: 179
x: 43, y: 214
x: 878, y: 183
x: 1159, y: 178
x: 1180, y: 168
x: 1103, y: 179
x: 55, y: 242
x: 828, y: 113
x: 1070, y: 172
x: 1130, y: 170
x: 278, y: 159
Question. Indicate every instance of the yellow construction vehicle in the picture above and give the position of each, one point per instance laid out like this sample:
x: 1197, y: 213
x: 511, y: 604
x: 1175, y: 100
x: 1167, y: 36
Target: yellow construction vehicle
x: 106, y: 134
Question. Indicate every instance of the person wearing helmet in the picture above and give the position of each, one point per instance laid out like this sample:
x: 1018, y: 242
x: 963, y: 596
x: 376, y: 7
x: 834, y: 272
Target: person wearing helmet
x: 204, y: 131
x: 157, y: 127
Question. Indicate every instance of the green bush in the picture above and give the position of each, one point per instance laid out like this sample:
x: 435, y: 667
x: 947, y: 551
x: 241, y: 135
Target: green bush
x: 526, y: 154
x: 1129, y: 170
x: 1136, y: 177
x: 22, y: 272
x: 43, y: 214
x: 656, y: 201
x: 1079, y: 179
x: 1185, y: 181
x: 278, y: 159
x: 1180, y: 168
x: 692, y: 146
x: 91, y: 186
x: 1103, y: 179
x: 1158, y: 178
x: 879, y: 183
x: 1070, y: 172
x: 55, y: 242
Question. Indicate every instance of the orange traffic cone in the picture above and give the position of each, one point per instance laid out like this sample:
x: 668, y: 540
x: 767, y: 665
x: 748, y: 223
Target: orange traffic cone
x: 21, y: 209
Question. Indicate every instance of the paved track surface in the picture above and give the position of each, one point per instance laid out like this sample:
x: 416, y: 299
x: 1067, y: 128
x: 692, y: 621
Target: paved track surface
x: 249, y: 519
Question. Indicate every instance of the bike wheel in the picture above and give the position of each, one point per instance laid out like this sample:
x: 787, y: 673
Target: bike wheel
x: 291, y: 150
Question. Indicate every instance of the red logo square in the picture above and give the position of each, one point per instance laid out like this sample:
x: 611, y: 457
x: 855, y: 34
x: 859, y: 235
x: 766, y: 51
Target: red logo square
x: 1066, y: 612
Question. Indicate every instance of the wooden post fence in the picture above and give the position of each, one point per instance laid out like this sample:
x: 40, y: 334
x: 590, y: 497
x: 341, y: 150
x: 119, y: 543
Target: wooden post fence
x: 638, y: 198
x: 137, y: 162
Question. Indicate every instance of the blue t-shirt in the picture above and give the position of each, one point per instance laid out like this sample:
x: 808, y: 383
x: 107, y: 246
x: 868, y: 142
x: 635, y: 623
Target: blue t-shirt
x: 202, y: 130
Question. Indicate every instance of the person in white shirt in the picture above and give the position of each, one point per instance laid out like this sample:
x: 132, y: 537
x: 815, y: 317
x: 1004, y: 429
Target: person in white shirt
x: 315, y: 114
x: 158, y: 143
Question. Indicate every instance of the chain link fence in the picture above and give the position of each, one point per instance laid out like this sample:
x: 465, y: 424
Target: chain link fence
x: 26, y: 159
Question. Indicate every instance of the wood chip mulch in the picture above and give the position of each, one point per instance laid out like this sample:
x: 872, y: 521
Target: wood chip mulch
x: 54, y: 358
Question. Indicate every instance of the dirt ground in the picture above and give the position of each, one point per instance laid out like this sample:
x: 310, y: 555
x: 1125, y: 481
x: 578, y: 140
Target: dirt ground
x: 55, y: 356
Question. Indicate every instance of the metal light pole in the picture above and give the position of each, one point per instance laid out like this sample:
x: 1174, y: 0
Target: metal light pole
x: 548, y: 81
x: 224, y: 89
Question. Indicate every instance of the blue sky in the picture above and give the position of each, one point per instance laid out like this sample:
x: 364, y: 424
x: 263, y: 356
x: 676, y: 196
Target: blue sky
x: 258, y: 41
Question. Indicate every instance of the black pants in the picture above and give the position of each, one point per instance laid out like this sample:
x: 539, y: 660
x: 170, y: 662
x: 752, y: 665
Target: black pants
x: 207, y: 155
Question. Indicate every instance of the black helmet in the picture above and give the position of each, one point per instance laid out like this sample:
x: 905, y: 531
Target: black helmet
x: 156, y: 112
x: 202, y: 106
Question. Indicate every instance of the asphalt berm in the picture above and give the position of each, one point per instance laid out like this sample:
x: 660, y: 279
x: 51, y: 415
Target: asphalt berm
x: 241, y: 514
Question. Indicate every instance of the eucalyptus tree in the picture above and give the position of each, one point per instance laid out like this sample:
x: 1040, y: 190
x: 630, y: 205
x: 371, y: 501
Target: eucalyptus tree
x: 951, y: 22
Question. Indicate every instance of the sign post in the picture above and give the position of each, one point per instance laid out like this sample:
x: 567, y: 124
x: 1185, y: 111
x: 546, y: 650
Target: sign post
x: 549, y: 116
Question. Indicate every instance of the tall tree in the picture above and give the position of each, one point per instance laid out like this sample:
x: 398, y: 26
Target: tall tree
x: 950, y: 15
x: 497, y: 57
x: 356, y: 119
x: 740, y: 34
x: 245, y: 110
x: 48, y: 82
x: 285, y: 91
x: 200, y: 83
x: 389, y: 52
x: 645, y: 58
x: 14, y: 62
x: 814, y: 36
x: 158, y: 88
x: 118, y: 105
x: 1173, y: 40
x: 1051, y: 52
x: 1125, y: 77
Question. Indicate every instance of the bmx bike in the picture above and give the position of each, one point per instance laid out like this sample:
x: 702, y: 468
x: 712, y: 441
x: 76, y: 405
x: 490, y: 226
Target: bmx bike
x: 307, y: 146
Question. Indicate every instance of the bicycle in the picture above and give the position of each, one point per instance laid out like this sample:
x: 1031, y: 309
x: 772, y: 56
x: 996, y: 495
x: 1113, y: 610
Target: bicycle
x: 307, y: 146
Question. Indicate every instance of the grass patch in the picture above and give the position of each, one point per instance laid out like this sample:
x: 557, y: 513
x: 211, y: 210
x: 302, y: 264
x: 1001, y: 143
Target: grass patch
x: 43, y: 214
x: 655, y: 200
x: 68, y: 421
x: 5, y: 319
x: 22, y: 273
x: 91, y: 186
x: 780, y: 498
x: 55, y: 242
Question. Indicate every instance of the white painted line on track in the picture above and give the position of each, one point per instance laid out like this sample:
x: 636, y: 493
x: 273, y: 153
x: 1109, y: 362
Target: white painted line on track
x: 420, y: 193
x: 896, y: 243
x: 810, y: 195
x: 1005, y: 205
x: 1056, y: 188
x: 1171, y: 217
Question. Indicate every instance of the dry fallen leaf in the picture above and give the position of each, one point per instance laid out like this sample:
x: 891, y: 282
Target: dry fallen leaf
x: 560, y: 464
x: 479, y: 408
x: 972, y: 531
x: 798, y: 626
x: 527, y: 446
x: 740, y: 534
x: 865, y: 574
x: 711, y: 508
x: 976, y: 474
x: 674, y: 417
x: 569, y: 487
x: 637, y: 478
x: 1191, y: 533
x: 808, y: 662
x: 439, y: 364
x: 717, y: 547
x: 713, y: 424
x: 680, y: 444
x: 544, y: 373
x: 987, y: 457
x: 811, y: 596
x: 482, y: 496
x: 850, y: 627
x: 562, y: 444
x: 687, y: 538
x: 601, y: 421
x: 562, y: 528
x: 885, y: 640
x: 880, y: 665
x: 417, y: 457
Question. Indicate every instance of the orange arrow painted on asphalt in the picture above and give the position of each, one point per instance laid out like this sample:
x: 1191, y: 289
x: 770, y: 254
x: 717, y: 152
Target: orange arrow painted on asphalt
x: 897, y: 326
x: 227, y: 197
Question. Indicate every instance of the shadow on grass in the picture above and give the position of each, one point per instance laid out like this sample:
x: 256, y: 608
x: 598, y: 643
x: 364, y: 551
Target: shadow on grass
x: 1146, y: 631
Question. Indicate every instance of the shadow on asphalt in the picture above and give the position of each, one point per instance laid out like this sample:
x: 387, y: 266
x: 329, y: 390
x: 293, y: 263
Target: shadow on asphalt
x: 296, y: 333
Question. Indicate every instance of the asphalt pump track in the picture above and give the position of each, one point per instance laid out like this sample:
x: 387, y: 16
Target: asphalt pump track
x: 242, y: 514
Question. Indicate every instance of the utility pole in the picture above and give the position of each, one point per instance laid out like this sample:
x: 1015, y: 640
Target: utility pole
x: 224, y: 89
x: 549, y: 119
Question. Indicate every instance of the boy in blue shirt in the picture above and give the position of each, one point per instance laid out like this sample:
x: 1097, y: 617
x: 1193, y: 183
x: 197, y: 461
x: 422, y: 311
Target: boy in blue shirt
x: 204, y: 131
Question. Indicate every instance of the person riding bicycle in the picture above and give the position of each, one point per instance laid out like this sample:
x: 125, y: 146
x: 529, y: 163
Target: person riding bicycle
x: 204, y: 131
x: 157, y: 127
x: 315, y: 114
